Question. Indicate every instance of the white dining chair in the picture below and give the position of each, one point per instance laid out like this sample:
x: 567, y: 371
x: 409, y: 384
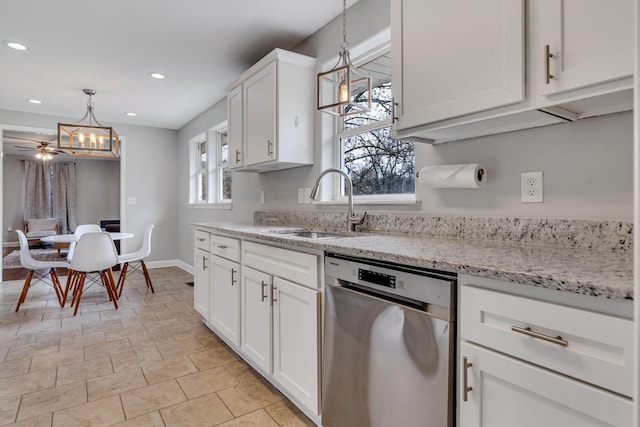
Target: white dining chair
x: 38, y: 269
x: 136, y: 257
x: 79, y: 231
x: 95, y: 252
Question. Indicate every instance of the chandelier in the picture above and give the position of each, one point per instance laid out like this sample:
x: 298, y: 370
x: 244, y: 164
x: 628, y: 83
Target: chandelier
x: 88, y: 137
x: 336, y: 85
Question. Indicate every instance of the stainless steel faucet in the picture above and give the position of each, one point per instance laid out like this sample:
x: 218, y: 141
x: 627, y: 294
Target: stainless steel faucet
x: 352, y: 219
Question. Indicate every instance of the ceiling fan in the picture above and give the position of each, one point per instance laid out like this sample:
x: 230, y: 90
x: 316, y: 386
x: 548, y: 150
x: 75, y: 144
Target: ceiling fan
x: 43, y: 149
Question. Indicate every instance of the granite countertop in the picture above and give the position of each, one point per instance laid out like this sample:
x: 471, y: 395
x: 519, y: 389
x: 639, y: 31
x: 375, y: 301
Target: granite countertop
x: 599, y: 273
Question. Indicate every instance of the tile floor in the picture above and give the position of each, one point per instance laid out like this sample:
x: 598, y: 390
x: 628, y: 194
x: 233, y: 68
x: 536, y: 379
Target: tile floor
x: 149, y: 363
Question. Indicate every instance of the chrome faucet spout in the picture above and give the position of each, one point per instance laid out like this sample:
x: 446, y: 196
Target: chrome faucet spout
x: 352, y: 219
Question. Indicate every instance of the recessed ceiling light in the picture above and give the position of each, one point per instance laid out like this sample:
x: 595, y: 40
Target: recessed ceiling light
x: 157, y: 75
x: 131, y: 114
x: 34, y: 101
x: 14, y: 45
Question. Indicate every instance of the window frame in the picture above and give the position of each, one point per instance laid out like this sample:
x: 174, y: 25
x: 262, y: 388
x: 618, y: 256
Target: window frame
x: 214, y: 169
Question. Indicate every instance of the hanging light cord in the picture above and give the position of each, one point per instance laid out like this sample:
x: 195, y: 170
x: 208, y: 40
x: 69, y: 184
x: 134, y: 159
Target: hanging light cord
x: 345, y: 44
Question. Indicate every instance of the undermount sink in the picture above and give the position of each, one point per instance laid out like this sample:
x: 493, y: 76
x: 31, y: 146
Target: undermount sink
x: 307, y: 234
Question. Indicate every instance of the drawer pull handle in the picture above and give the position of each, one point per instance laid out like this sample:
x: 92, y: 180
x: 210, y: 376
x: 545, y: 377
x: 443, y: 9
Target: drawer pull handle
x: 527, y: 331
x: 264, y: 288
x: 465, y: 379
x: 547, y: 68
x: 233, y: 277
x: 221, y: 246
x: 200, y: 239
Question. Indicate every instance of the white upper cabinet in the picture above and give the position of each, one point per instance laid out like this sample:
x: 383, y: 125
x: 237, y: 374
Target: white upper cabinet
x: 271, y: 111
x: 463, y: 68
x: 588, y: 42
x: 235, y: 128
x: 455, y: 57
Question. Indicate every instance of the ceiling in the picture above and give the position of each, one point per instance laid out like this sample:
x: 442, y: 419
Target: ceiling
x: 112, y: 46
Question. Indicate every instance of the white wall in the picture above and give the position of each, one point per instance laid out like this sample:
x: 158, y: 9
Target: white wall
x: 150, y: 169
x: 97, y: 191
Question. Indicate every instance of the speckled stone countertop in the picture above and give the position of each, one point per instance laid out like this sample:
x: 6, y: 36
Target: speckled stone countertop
x: 597, y: 272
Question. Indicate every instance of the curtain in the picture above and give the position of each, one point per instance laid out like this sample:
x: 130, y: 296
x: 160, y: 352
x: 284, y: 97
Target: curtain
x: 64, y: 197
x: 37, y: 190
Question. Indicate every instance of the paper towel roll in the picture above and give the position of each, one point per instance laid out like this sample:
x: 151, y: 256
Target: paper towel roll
x: 470, y: 175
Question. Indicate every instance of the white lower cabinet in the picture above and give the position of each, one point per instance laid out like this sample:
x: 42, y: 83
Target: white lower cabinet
x: 256, y: 317
x: 531, y: 362
x: 225, y: 298
x: 264, y: 301
x: 507, y: 392
x: 201, y: 282
x: 296, y: 336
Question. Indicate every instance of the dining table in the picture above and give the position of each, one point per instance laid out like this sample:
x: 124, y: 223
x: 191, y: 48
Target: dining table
x: 70, y: 238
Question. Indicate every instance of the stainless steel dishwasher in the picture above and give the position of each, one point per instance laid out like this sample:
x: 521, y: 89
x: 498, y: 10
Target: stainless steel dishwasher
x: 389, y: 345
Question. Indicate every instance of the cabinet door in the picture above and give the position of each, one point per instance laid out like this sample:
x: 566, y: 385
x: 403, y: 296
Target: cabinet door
x: 225, y: 298
x: 295, y: 340
x: 260, y: 116
x: 235, y: 127
x: 507, y: 392
x: 591, y: 42
x: 255, y: 309
x: 201, y: 282
x: 455, y: 57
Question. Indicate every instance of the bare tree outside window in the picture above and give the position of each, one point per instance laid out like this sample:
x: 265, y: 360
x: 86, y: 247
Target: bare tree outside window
x: 376, y: 163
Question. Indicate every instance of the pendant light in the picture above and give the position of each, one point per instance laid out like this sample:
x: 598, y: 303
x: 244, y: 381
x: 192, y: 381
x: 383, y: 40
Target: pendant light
x: 336, y: 85
x: 88, y: 137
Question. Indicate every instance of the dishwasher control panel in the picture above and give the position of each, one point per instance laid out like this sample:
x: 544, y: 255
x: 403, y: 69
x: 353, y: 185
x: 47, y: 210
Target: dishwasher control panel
x: 413, y: 283
x: 377, y: 278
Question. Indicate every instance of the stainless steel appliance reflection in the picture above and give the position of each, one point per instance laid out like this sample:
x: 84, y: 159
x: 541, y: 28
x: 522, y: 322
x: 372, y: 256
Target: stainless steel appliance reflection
x: 389, y: 345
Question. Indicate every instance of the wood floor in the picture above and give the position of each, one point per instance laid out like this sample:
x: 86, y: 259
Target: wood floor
x: 149, y: 363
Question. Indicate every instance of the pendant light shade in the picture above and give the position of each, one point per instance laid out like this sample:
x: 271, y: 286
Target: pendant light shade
x: 336, y: 86
x: 88, y: 137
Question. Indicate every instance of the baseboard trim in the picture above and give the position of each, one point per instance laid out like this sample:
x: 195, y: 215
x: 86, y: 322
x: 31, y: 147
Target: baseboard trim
x: 170, y: 263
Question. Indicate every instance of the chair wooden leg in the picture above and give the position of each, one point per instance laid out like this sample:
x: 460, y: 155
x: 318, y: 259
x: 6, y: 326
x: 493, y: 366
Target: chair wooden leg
x: 77, y: 292
x: 147, y: 278
x: 109, y: 283
x: 122, y: 278
x: 55, y: 282
x: 25, y: 289
x: 71, y: 278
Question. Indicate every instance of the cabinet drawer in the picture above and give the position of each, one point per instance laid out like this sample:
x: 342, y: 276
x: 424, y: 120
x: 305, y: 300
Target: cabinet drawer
x: 296, y: 266
x: 592, y: 347
x: 225, y: 247
x: 202, y: 240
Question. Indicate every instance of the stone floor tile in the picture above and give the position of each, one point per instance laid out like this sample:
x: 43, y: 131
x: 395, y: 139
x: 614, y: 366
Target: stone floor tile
x: 258, y: 418
x: 204, y: 411
x: 41, y: 362
x: 51, y: 400
x: 83, y: 371
x: 152, y: 419
x: 28, y: 383
x: 100, y: 413
x: 79, y: 341
x: 119, y: 382
x: 178, y: 348
x: 135, y: 359
x: 95, y: 351
x: 212, y: 358
x: 287, y: 415
x: 205, y: 382
x: 15, y: 367
x: 152, y: 398
x: 245, y: 398
x: 158, y: 371
x: 9, y: 410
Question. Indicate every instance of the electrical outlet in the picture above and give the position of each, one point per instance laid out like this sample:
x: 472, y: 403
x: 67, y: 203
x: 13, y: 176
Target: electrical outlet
x: 261, y: 197
x: 531, y: 187
x: 300, y: 195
